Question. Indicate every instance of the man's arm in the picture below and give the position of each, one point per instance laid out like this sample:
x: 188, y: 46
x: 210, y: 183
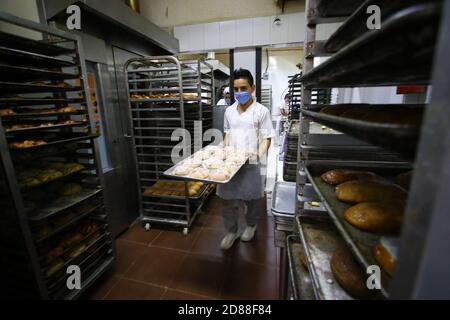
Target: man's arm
x: 264, y: 147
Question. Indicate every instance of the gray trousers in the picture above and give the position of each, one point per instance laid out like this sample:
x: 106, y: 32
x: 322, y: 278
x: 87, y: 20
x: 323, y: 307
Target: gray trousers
x: 231, y: 210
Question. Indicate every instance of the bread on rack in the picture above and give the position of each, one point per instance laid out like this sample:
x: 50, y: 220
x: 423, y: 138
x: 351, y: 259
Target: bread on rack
x: 7, y: 112
x: 385, y: 253
x: 71, y: 239
x: 88, y: 228
x: 55, y: 252
x: 70, y: 189
x: 54, y: 267
x: 26, y: 144
x: 384, y: 217
x: 338, y: 176
x: 349, y: 274
x: 356, y: 191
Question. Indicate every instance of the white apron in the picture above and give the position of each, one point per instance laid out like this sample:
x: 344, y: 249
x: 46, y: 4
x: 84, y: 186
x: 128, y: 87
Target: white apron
x: 249, y: 181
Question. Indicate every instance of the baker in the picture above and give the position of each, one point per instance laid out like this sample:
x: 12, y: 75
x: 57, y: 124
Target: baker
x: 247, y: 126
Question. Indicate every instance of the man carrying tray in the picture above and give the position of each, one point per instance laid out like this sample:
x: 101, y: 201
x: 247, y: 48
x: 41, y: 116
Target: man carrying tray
x: 247, y: 126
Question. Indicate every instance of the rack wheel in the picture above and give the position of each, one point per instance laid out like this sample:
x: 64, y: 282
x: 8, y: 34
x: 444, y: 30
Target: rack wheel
x: 147, y: 226
x: 185, y: 231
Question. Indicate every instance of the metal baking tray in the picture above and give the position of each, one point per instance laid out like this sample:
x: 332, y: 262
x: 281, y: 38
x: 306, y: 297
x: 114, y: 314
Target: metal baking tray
x: 320, y: 240
x: 49, y: 114
x: 24, y: 188
x: 398, y: 138
x: 169, y: 174
x: 337, y: 8
x: 23, y: 74
x: 33, y: 59
x: 52, y: 139
x: 355, y: 25
x: 302, y: 286
x: 383, y: 57
x: 360, y: 242
x: 70, y: 223
x: 57, y: 126
x: 41, y: 47
x: 195, y: 197
x: 17, y: 87
x: 11, y: 102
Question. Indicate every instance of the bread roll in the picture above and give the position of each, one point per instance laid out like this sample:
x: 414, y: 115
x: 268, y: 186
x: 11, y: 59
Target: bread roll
x: 70, y: 189
x: 218, y: 175
x: 349, y: 274
x: 384, y: 258
x: 71, y: 239
x: 356, y: 191
x: 376, y: 216
x: 181, y: 171
x: 338, y: 176
x: 199, y: 173
x: 214, y: 163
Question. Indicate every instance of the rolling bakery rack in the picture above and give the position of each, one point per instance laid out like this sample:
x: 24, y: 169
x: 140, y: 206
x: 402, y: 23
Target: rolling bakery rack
x: 401, y: 52
x: 53, y: 213
x: 166, y: 96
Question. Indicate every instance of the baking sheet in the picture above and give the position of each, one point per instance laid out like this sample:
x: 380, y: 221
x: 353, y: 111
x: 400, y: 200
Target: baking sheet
x: 360, y: 242
x: 320, y: 240
x: 169, y: 172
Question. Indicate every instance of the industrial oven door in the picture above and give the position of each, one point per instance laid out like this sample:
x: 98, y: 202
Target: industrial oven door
x: 107, y: 125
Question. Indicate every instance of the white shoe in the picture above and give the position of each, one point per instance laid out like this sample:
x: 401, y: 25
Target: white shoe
x: 248, y: 233
x: 228, y: 240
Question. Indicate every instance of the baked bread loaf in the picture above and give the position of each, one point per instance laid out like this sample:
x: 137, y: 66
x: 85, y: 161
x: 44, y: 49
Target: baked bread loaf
x: 55, y: 252
x: 338, y: 176
x: 54, y: 267
x: 356, y: 191
x: 349, y: 274
x: 385, y: 217
x: 384, y: 258
x: 404, y: 179
x: 6, y: 112
x: 87, y: 228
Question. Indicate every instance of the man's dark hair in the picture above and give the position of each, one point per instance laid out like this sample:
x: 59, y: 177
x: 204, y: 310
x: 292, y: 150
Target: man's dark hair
x: 243, y: 74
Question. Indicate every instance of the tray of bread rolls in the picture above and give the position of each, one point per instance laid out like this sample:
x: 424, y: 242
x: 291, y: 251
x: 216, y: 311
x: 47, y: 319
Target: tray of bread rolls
x: 365, y: 200
x: 176, y: 189
x: 212, y: 164
x: 394, y: 127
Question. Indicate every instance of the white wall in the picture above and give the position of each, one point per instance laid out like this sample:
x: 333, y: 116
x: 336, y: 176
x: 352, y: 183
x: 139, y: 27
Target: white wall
x: 259, y: 31
x: 282, y: 64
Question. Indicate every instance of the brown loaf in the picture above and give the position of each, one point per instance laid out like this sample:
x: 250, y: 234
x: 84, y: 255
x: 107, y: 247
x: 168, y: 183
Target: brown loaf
x: 71, y: 239
x: 348, y: 273
x: 376, y: 216
x: 404, y: 179
x: 356, y: 191
x: 338, y: 176
x: 384, y: 259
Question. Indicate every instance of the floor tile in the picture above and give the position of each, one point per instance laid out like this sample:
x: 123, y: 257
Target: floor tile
x: 202, y: 275
x: 208, y: 243
x: 127, y: 254
x: 175, y: 239
x: 178, y: 295
x: 131, y: 290
x: 260, y: 250
x: 137, y: 233
x: 157, y: 266
x: 100, y: 289
x: 249, y: 281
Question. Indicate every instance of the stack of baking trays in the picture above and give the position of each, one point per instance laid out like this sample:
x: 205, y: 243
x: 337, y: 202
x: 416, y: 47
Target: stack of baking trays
x: 50, y: 192
x: 361, y: 177
x: 318, y: 96
x: 290, y: 153
x: 169, y: 98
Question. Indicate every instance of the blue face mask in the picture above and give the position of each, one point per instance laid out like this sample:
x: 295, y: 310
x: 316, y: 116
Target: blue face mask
x: 242, y: 97
x: 228, y: 101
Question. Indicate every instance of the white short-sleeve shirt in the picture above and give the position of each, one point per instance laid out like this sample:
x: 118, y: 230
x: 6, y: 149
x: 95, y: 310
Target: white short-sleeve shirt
x: 247, y: 130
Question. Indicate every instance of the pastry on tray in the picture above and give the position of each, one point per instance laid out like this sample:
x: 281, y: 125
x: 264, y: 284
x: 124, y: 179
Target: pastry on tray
x: 26, y: 144
x: 338, y: 176
x: 70, y: 189
x: 199, y: 173
x: 7, y: 112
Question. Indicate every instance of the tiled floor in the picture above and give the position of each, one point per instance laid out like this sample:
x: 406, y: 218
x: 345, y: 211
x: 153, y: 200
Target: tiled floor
x: 164, y: 264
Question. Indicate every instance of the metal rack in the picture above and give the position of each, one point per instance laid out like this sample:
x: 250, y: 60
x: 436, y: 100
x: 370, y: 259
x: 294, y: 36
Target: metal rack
x: 266, y: 96
x: 361, y: 58
x: 167, y: 94
x: 40, y: 101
